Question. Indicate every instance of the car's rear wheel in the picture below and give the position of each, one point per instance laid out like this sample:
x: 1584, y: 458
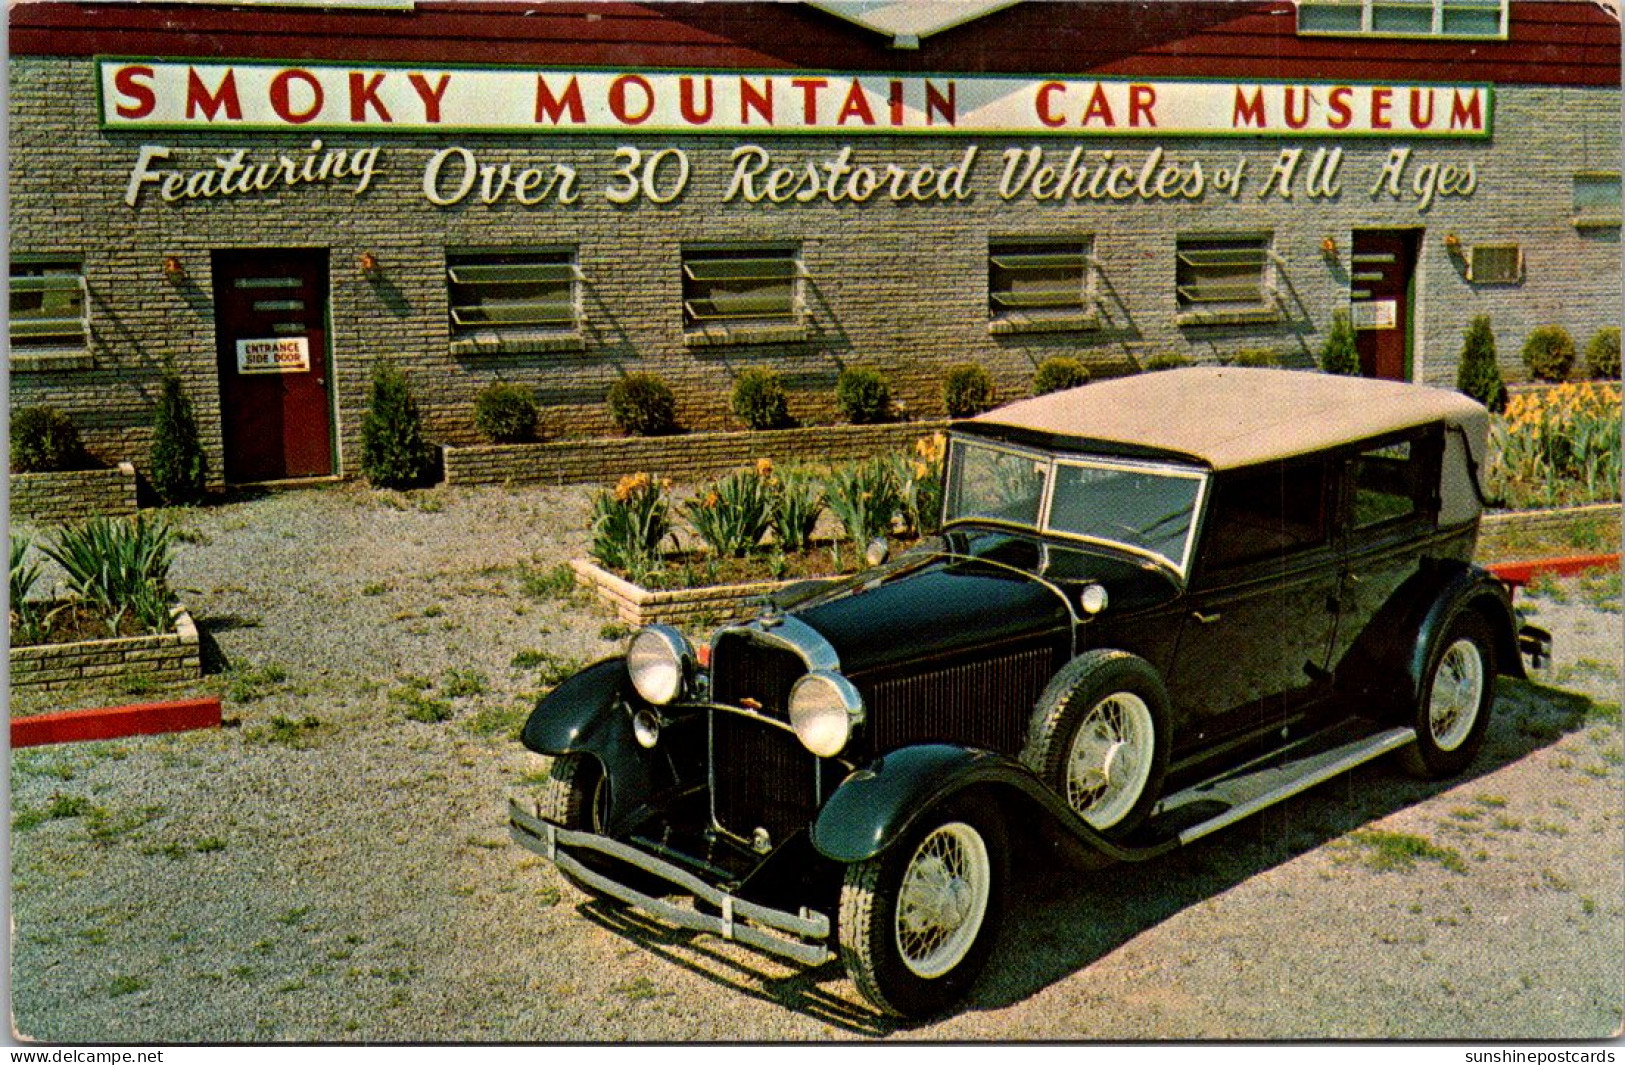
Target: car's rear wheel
x: 1099, y: 736
x: 918, y: 922
x: 1452, y: 710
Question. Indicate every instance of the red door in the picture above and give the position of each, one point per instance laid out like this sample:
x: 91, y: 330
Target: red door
x: 271, y: 339
x: 1380, y: 298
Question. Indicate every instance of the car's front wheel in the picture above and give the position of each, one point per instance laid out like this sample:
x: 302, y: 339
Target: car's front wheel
x: 918, y: 922
x: 576, y: 796
x: 1452, y: 710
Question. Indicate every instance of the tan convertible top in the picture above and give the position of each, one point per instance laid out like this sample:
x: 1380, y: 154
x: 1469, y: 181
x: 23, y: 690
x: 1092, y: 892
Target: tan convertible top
x: 1232, y: 416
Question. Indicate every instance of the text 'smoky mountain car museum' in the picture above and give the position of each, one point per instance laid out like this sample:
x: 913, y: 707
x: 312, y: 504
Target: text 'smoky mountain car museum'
x: 278, y: 198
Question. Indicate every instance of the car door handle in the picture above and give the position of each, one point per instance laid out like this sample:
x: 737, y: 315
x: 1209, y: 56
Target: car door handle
x: 1206, y: 619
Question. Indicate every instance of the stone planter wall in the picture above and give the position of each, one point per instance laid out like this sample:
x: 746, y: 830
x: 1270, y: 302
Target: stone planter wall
x: 636, y: 605
x: 74, y: 495
x: 689, y: 457
x: 1495, y: 526
x: 172, y: 656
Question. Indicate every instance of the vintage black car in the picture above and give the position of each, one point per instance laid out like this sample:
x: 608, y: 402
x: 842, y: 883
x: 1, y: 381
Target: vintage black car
x: 1157, y: 605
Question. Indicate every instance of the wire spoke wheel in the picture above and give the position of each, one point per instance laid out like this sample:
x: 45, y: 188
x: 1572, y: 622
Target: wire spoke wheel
x: 1110, y: 759
x: 1455, y: 695
x: 942, y: 900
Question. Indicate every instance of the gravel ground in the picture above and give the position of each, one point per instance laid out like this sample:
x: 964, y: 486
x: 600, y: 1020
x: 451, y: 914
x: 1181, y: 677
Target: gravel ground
x: 328, y: 869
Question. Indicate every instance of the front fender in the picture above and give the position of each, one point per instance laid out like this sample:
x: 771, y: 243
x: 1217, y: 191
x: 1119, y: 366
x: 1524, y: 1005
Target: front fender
x: 876, y: 806
x: 586, y: 714
x: 1470, y: 588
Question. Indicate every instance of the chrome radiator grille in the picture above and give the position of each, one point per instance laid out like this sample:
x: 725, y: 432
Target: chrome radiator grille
x: 763, y: 777
x: 747, y: 673
x: 979, y: 704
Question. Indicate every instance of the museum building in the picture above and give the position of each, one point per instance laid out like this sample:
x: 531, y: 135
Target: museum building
x: 276, y: 198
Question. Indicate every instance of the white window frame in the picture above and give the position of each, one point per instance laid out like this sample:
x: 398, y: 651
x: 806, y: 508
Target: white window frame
x: 467, y: 269
x: 704, y: 264
x: 1072, y: 303
x: 1476, y: 272
x: 32, y: 334
x: 1440, y: 14
x: 1586, y: 215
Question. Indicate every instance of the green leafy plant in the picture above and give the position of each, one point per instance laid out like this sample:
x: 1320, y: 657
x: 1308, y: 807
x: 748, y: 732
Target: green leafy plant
x: 1479, y: 374
x: 1256, y: 357
x: 43, y: 440
x: 394, y: 452
x: 1338, y: 355
x: 1602, y: 353
x: 735, y: 513
x: 643, y: 405
x: 862, y: 395
x: 28, y: 618
x: 760, y: 401
x: 1058, y: 373
x: 798, y: 499
x: 918, y: 477
x: 863, y: 496
x: 179, y: 466
x: 967, y: 390
x: 1165, y: 361
x: 119, y: 566
x: 506, y: 413
x: 1557, y: 446
x: 1549, y: 353
x: 629, y: 523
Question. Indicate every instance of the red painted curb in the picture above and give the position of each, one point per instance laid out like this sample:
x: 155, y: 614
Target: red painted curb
x: 1567, y: 566
x: 108, y: 723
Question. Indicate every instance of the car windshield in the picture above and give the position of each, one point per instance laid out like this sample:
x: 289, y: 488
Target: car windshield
x: 1148, y: 508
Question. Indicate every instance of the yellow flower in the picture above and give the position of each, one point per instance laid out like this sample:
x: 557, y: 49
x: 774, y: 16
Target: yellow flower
x: 630, y: 485
x: 711, y: 499
x: 764, y: 468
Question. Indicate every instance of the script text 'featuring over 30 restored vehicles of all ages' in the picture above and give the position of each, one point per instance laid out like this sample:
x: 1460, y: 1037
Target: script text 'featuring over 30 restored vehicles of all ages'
x: 1157, y: 604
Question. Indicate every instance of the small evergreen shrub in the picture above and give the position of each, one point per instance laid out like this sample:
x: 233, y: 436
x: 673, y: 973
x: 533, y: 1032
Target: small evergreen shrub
x: 967, y: 390
x: 394, y: 452
x: 1602, y: 353
x: 760, y: 401
x: 1479, y: 374
x: 506, y: 413
x: 1166, y: 361
x: 863, y: 396
x: 43, y: 439
x: 643, y: 405
x: 1338, y: 355
x: 1265, y: 357
x: 1058, y: 373
x: 179, y: 466
x: 1549, y: 353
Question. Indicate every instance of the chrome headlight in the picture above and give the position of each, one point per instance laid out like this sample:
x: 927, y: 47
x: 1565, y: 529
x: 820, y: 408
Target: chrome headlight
x: 660, y: 662
x: 824, y: 709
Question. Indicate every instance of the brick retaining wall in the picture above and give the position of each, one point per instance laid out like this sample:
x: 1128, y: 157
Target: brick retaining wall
x: 172, y: 656
x: 73, y: 495
x: 687, y: 457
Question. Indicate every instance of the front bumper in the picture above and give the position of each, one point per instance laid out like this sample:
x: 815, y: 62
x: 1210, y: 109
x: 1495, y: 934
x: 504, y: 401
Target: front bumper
x: 737, y: 920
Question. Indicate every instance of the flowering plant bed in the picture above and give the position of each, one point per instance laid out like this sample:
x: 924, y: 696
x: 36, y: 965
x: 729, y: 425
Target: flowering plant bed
x: 170, y: 656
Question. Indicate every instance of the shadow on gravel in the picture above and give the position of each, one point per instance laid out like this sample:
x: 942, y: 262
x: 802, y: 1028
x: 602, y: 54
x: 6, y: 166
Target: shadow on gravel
x: 1060, y: 917
x: 1055, y: 925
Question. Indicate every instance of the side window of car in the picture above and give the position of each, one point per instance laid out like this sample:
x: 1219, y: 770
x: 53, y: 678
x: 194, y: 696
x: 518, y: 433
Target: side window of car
x: 1262, y: 513
x: 1392, y: 482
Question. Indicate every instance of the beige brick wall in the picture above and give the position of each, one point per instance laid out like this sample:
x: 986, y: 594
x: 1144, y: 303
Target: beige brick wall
x: 74, y: 495
x: 173, y: 656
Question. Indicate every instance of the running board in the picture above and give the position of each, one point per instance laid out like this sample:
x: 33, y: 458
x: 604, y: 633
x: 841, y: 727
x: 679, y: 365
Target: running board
x: 1251, y: 788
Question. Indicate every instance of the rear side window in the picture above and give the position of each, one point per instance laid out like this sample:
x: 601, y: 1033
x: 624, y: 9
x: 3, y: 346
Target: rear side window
x: 1393, y: 482
x: 1267, y: 512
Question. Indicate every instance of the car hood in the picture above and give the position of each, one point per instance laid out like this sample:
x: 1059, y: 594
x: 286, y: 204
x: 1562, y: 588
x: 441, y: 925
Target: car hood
x: 936, y: 601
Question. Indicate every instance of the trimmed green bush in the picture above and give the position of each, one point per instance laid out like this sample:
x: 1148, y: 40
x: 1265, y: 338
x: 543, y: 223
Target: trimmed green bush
x: 179, y: 466
x: 1338, y: 354
x: 967, y: 390
x: 1479, y: 374
x: 643, y: 405
x: 1166, y: 361
x: 1058, y: 373
x: 506, y: 413
x: 863, y: 396
x: 760, y: 401
x: 1265, y: 357
x: 394, y: 452
x: 1602, y: 353
x: 1549, y: 353
x: 43, y: 440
